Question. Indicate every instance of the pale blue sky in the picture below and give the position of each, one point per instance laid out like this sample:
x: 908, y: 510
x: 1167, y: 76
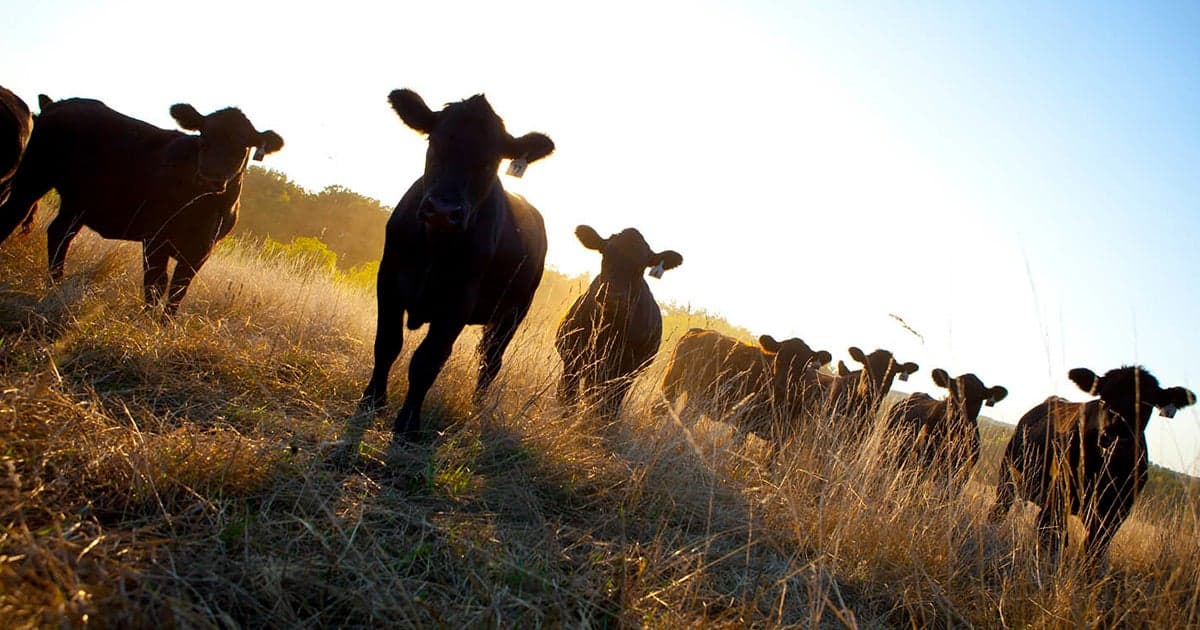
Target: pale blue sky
x: 1017, y: 181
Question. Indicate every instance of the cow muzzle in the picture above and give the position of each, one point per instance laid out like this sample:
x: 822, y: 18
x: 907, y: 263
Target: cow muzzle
x: 441, y: 215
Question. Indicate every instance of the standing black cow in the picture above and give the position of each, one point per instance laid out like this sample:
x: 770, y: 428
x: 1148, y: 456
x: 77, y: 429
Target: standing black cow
x: 1087, y: 459
x: 613, y: 330
x: 774, y: 380
x: 129, y: 180
x: 459, y: 250
x: 941, y: 437
x: 15, y: 126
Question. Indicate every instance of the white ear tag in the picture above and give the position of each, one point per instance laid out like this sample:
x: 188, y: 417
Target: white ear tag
x: 1167, y: 411
x: 904, y: 376
x: 658, y: 270
x: 260, y: 152
x: 516, y: 168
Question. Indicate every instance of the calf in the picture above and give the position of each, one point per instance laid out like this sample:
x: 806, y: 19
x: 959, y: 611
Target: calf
x: 612, y: 331
x: 129, y: 180
x: 15, y: 125
x: 942, y: 436
x: 1087, y: 459
x: 458, y: 250
x: 718, y: 372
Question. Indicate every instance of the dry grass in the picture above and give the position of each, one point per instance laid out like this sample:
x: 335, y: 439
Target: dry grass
x: 180, y: 474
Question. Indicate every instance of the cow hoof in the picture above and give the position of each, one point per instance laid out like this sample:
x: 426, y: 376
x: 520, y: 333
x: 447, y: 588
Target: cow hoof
x: 405, y: 437
x: 342, y: 453
x: 369, y: 403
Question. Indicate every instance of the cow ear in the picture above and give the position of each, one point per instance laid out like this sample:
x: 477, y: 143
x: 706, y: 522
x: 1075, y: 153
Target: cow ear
x: 413, y: 111
x: 669, y: 259
x: 269, y: 141
x: 941, y: 378
x: 187, y: 116
x: 1084, y: 379
x: 822, y: 358
x: 768, y: 343
x: 998, y: 393
x: 530, y: 147
x: 842, y: 369
x: 857, y: 355
x: 590, y: 238
x: 1179, y: 397
x: 909, y: 368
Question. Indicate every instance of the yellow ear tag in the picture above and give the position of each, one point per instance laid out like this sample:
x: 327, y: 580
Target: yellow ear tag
x: 516, y: 168
x: 658, y: 270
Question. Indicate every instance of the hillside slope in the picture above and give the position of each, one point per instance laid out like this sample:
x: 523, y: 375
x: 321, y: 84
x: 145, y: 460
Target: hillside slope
x: 157, y: 473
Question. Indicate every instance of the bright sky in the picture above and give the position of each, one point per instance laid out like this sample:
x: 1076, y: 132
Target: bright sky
x: 1017, y: 181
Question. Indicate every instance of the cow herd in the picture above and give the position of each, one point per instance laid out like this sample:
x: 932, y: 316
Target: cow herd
x: 460, y: 250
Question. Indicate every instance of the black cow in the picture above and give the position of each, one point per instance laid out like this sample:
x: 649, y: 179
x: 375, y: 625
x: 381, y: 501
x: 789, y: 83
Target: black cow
x: 942, y: 436
x: 129, y: 180
x: 718, y: 372
x: 15, y: 125
x: 612, y: 331
x: 1087, y: 459
x: 459, y: 250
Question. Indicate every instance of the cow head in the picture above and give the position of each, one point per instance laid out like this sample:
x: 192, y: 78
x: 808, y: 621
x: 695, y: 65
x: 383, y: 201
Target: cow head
x: 467, y: 140
x: 226, y: 137
x: 967, y: 393
x: 1132, y: 392
x: 626, y: 255
x: 791, y: 365
x: 880, y: 368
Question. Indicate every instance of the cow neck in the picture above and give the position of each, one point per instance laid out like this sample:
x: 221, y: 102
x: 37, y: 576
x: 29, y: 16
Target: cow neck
x: 965, y: 410
x: 1119, y: 422
x: 614, y: 283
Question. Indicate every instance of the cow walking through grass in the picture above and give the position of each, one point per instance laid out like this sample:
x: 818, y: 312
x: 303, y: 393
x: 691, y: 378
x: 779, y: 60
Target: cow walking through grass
x: 458, y: 250
x: 125, y: 179
x: 612, y: 331
x: 1088, y: 458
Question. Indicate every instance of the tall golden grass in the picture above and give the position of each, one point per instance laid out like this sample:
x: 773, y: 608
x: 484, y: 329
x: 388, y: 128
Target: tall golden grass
x: 179, y: 473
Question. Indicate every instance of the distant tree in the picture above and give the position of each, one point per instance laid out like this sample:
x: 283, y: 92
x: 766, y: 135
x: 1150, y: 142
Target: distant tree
x: 350, y: 224
x: 306, y: 252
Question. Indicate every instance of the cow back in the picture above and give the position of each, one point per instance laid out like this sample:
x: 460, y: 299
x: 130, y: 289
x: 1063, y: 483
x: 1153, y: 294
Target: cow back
x: 126, y: 178
x: 713, y: 368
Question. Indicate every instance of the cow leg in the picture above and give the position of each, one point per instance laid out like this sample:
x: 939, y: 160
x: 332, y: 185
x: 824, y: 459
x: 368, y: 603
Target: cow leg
x: 59, y: 234
x: 426, y: 363
x: 568, y: 387
x: 1101, y: 527
x: 155, y: 257
x: 614, y: 393
x: 1052, y: 529
x: 186, y: 268
x: 26, y: 188
x: 389, y: 339
x: 496, y: 337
